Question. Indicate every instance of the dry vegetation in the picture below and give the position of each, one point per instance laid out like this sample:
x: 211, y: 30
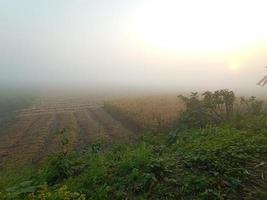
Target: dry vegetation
x: 152, y: 113
x: 33, y: 135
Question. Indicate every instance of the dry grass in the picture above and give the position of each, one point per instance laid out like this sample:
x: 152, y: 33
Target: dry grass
x: 146, y: 113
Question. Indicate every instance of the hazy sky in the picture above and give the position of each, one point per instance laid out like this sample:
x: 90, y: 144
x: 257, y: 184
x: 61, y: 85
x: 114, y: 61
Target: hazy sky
x: 164, y: 44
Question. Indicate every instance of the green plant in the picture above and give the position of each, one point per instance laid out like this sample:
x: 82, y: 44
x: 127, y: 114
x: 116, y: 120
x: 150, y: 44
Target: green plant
x: 62, y: 165
x: 62, y: 193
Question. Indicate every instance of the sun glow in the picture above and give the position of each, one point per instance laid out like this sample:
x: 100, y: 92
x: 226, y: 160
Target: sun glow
x: 200, y: 27
x: 234, y: 67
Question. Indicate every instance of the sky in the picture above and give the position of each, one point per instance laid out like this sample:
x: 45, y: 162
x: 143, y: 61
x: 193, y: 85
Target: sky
x: 165, y: 45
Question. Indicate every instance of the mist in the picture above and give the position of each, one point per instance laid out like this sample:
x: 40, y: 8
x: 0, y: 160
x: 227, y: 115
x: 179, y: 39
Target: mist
x: 98, y: 46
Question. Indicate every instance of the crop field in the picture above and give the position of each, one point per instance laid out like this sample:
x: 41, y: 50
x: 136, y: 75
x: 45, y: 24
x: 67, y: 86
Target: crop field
x: 33, y: 134
x: 152, y: 113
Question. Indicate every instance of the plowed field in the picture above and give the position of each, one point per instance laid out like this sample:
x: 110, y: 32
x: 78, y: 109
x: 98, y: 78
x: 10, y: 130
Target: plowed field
x: 34, y: 133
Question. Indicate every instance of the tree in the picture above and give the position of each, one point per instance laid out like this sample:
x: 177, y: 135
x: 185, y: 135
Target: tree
x: 208, y: 108
x: 196, y: 114
x: 251, y: 106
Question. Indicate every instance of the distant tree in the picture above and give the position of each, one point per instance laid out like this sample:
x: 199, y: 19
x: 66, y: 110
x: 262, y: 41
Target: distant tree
x: 196, y: 114
x: 251, y: 106
x: 208, y: 108
x: 220, y: 103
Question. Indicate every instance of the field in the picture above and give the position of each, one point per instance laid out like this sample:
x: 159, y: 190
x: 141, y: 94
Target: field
x: 9, y: 103
x: 152, y: 113
x: 132, y: 148
x: 32, y: 135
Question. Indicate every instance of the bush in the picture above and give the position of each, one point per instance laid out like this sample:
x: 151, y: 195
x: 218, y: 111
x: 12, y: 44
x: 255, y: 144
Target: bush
x: 61, y: 193
x: 215, y: 108
x: 209, y: 108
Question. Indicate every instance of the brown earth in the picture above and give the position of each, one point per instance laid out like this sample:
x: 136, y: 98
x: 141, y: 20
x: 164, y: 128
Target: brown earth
x: 33, y: 134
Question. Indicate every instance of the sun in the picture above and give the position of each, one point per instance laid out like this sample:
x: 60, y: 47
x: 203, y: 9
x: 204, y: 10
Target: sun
x: 234, y: 67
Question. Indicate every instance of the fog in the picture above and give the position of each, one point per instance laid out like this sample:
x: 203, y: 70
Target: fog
x: 130, y: 46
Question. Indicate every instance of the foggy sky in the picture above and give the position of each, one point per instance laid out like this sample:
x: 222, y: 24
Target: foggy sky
x: 91, y: 43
